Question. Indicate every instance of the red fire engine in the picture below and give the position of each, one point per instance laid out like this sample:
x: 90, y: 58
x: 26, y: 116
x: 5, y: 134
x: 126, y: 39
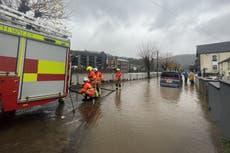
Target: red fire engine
x: 34, y: 62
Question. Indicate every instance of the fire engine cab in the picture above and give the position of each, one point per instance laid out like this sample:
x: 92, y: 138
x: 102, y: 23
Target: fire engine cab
x: 34, y: 61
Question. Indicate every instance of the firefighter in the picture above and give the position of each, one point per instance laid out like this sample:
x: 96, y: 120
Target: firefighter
x: 99, y: 78
x: 87, y: 90
x: 91, y: 75
x: 118, y: 77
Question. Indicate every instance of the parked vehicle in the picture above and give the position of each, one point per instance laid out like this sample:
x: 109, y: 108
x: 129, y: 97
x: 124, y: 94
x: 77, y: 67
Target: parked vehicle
x: 170, y: 79
x: 34, y: 67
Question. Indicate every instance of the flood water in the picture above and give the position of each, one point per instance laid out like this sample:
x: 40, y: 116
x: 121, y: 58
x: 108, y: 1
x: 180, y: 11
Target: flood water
x: 142, y: 117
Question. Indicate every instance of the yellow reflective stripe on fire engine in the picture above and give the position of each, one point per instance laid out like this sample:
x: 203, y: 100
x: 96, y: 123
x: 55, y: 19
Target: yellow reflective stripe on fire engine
x: 51, y: 67
x: 21, y: 54
x: 28, y: 34
x: 30, y: 77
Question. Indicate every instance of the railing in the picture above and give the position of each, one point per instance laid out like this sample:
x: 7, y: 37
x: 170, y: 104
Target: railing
x: 78, y: 77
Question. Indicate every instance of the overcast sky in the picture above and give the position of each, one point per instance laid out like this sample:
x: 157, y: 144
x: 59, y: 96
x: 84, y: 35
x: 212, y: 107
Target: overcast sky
x: 118, y: 27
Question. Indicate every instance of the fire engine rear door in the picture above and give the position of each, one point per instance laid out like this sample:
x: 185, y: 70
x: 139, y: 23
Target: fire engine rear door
x: 44, y: 70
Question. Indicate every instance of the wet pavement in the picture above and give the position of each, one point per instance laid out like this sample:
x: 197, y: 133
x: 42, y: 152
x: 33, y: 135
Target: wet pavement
x: 141, y: 117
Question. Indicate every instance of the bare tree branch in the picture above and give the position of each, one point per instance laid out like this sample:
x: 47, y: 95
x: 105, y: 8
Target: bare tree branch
x: 168, y: 63
x: 47, y: 9
x: 147, y: 51
x: 53, y: 12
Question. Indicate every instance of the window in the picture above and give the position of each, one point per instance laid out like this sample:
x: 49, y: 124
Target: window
x: 214, y: 58
x: 214, y: 67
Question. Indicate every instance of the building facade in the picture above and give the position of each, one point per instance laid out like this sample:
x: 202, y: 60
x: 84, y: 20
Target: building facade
x: 117, y: 62
x: 209, y: 55
x: 224, y: 67
x: 123, y: 64
x: 82, y: 59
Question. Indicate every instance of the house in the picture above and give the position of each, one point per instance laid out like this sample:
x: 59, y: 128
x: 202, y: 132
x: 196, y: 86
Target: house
x: 224, y: 67
x: 209, y: 55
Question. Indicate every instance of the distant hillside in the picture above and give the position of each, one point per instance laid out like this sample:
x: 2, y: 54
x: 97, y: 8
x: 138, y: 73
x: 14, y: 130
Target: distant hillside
x: 185, y: 60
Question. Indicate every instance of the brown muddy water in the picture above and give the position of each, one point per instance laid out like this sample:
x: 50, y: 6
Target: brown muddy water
x: 142, y: 117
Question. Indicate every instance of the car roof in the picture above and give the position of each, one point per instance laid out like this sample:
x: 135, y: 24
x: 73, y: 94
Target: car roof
x: 170, y: 73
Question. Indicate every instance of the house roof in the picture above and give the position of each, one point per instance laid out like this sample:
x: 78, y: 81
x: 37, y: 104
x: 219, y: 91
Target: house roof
x: 226, y: 60
x: 213, y: 48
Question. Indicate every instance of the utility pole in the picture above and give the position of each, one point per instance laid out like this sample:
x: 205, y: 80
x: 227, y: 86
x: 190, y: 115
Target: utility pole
x: 157, y: 63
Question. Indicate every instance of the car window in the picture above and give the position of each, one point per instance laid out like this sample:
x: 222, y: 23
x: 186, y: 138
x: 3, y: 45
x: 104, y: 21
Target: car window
x: 170, y: 74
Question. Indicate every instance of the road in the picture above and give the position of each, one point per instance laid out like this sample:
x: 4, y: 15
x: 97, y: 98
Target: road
x: 141, y: 117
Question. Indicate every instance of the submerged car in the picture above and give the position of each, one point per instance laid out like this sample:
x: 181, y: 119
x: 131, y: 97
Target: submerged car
x: 170, y: 79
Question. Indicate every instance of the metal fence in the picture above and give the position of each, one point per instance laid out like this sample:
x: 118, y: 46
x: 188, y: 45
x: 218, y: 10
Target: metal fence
x: 77, y: 78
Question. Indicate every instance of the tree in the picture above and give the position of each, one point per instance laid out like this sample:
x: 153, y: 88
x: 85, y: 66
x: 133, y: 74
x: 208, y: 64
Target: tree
x: 24, y: 6
x: 166, y: 61
x: 51, y: 13
x: 147, y: 51
x: 46, y: 9
x: 169, y: 64
x: 49, y: 9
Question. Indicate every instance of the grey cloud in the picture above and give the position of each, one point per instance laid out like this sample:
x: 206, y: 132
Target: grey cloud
x: 170, y: 11
x: 119, y: 26
x: 217, y: 28
x: 119, y: 9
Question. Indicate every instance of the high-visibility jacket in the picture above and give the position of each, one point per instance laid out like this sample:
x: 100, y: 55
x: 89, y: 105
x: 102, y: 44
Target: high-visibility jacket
x: 92, y: 76
x: 118, y: 75
x: 99, y: 76
x: 88, y: 90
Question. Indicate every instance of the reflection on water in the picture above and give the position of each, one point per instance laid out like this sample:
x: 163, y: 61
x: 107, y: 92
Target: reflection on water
x: 141, y: 117
x: 170, y: 94
x: 152, y: 119
x: 59, y: 111
x: 91, y: 112
x: 192, y: 86
x: 118, y: 99
x: 35, y: 132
